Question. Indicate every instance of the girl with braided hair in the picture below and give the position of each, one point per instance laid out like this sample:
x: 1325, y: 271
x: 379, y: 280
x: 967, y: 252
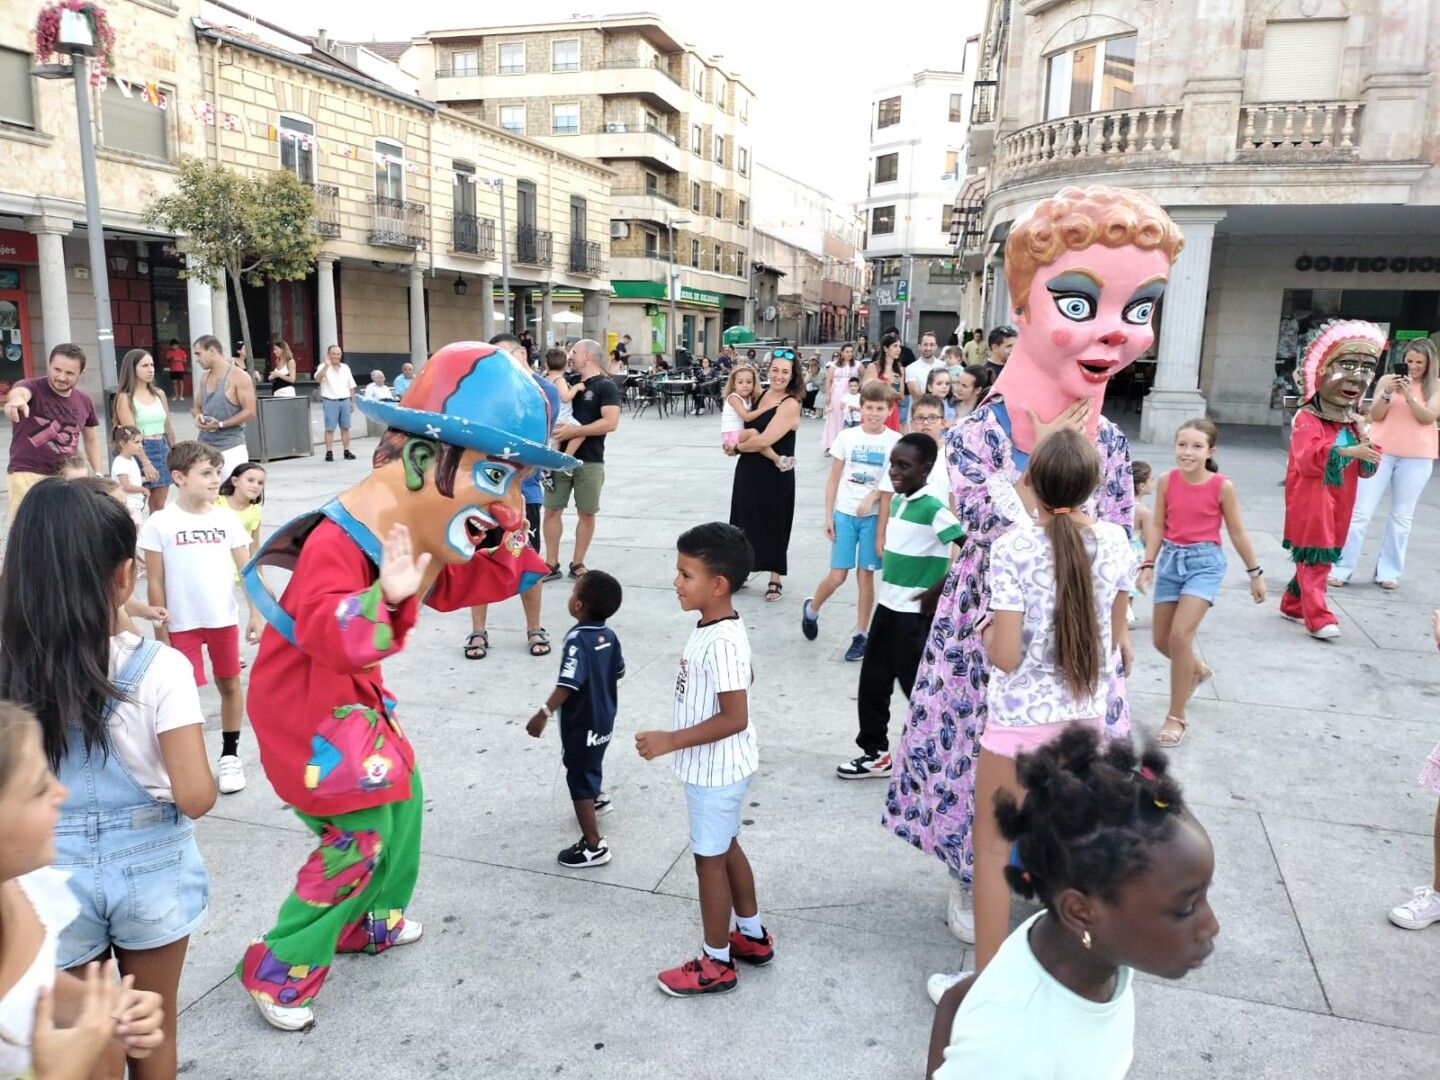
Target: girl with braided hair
x: 1102, y: 839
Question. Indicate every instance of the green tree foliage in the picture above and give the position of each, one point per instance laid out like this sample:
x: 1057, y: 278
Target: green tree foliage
x: 250, y: 229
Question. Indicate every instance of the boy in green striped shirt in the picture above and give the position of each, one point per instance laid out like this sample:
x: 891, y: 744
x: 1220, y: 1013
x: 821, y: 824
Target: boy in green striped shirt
x: 916, y: 557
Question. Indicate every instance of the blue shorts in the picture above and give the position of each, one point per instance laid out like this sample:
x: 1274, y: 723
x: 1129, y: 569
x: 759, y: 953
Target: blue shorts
x: 337, y: 414
x: 1189, y: 570
x: 715, y: 815
x: 904, y: 407
x: 854, y: 542
x: 157, y: 450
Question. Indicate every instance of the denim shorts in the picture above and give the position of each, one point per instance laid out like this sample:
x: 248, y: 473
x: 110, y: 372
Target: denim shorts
x: 854, y: 542
x: 715, y: 815
x: 1189, y: 570
x: 337, y: 413
x: 138, y: 877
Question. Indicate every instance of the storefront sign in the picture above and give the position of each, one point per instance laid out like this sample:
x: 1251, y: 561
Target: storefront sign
x: 1369, y: 264
x: 700, y: 296
x: 18, y: 247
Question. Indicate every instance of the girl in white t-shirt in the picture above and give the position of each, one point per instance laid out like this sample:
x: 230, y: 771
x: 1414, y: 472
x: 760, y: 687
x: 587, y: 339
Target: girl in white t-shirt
x: 125, y: 470
x: 121, y: 728
x: 53, y: 1025
x: 1059, y: 590
x: 1103, y: 840
x: 740, y: 392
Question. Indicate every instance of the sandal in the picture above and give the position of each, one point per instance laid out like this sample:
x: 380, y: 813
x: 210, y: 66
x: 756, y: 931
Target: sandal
x: 539, y: 642
x: 1335, y: 583
x: 477, y: 645
x: 1388, y: 586
x: 772, y: 592
x: 578, y: 569
x: 1172, y: 738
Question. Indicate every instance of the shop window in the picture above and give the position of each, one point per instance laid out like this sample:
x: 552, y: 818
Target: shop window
x: 512, y: 59
x: 132, y: 122
x: 512, y: 119
x: 882, y: 220
x: 887, y: 168
x: 888, y: 112
x: 17, y: 105
x: 565, y: 120
x: 389, y: 170
x: 1301, y: 60
x: 297, y: 147
x: 565, y: 55
x: 1095, y: 77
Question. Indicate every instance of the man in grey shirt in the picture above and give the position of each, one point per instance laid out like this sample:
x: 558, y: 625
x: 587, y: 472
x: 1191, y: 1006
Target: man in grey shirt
x: 224, y: 404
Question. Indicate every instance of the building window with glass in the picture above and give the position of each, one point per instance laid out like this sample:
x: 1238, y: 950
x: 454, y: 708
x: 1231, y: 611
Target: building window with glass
x: 719, y: 204
x: 17, y: 105
x: 888, y: 112
x: 695, y: 196
x: 389, y: 170
x: 297, y: 147
x: 1095, y: 77
x: 697, y: 79
x: 465, y: 62
x: 719, y: 260
x: 739, y: 262
x: 744, y: 165
x: 565, y: 55
x: 742, y: 212
x: 512, y: 59
x: 956, y: 115
x: 887, y: 168
x: 695, y: 139
x: 719, y: 149
x: 952, y: 162
x: 882, y: 220
x: 565, y: 120
x: 132, y: 123
x: 652, y: 245
x: 695, y: 253
x: 512, y: 119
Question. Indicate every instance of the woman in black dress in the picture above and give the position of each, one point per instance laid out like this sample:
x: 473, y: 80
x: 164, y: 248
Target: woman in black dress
x: 762, y: 500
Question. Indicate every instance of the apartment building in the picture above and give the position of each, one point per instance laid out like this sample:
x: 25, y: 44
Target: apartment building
x: 1294, y: 141
x: 917, y: 146
x: 673, y: 124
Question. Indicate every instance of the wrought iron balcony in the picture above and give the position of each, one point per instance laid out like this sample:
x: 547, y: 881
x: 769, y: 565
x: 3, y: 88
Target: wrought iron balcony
x: 472, y: 235
x: 326, y: 221
x: 533, y: 246
x: 396, y: 222
x: 585, y: 258
x: 983, y: 100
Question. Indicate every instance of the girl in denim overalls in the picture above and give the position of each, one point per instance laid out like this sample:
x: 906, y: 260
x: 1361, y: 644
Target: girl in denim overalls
x: 122, y: 729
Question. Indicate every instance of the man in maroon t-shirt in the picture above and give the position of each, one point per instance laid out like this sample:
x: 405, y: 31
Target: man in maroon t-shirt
x: 50, y: 416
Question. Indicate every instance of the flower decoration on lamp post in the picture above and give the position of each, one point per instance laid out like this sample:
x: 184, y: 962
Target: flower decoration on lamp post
x: 76, y: 27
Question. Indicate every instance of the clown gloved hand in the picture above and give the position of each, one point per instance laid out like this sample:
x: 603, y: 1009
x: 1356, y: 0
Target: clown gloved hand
x: 400, y: 572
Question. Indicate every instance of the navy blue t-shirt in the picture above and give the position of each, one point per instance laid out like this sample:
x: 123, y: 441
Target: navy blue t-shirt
x: 591, y: 666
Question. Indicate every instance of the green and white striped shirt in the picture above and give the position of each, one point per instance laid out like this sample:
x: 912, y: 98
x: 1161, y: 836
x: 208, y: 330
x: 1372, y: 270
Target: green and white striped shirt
x: 917, y: 548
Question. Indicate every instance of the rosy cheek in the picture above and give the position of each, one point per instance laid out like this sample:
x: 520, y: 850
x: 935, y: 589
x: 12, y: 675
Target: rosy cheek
x: 1061, y: 339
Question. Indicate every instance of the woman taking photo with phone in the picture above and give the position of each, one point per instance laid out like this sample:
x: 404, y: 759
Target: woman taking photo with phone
x: 1402, y: 427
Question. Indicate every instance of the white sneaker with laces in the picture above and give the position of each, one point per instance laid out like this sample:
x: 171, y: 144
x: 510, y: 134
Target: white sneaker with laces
x: 960, y: 913
x: 941, y: 981
x: 1326, y: 633
x: 283, y: 1018
x: 230, y: 774
x: 1422, y: 909
x: 409, y: 933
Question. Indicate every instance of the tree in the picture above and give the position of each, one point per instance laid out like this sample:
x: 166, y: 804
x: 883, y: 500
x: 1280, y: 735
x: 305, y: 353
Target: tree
x: 249, y: 229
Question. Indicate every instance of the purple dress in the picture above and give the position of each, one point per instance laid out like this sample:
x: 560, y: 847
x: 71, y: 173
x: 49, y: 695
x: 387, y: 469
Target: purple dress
x: 932, y: 790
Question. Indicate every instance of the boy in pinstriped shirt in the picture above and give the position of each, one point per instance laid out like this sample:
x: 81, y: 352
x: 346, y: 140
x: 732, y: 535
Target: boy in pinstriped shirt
x: 716, y: 756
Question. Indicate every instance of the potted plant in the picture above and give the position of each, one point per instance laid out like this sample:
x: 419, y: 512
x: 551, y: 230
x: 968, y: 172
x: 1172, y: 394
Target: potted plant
x: 76, y: 26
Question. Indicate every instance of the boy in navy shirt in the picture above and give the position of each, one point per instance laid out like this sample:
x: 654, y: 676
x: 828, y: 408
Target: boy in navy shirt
x: 591, y: 666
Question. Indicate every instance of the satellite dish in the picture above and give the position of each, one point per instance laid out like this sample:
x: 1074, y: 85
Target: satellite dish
x: 769, y: 313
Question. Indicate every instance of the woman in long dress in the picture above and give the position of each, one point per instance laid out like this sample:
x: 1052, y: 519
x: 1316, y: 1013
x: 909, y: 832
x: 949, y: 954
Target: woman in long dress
x: 762, y: 499
x: 837, y: 384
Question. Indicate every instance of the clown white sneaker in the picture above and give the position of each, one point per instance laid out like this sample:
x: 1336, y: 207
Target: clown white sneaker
x: 283, y: 1018
x: 409, y: 933
x: 941, y: 981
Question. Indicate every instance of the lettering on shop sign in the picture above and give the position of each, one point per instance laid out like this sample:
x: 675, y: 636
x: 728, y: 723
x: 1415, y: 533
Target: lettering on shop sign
x: 1369, y: 264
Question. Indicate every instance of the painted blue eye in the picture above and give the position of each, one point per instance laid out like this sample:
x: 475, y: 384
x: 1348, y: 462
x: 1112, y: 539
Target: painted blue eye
x: 1075, y: 306
x: 492, y: 478
x: 1139, y: 312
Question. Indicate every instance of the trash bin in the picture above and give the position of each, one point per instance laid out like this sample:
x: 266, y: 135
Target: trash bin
x: 280, y: 429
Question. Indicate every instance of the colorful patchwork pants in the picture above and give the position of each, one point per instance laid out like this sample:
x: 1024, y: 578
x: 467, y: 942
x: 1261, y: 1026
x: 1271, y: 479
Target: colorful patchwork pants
x: 350, y: 896
x: 1305, y: 596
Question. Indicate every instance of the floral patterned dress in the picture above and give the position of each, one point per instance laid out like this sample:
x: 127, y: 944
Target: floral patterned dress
x: 930, y: 802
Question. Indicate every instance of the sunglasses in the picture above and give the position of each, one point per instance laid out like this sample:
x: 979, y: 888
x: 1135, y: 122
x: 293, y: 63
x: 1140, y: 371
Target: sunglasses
x: 783, y: 354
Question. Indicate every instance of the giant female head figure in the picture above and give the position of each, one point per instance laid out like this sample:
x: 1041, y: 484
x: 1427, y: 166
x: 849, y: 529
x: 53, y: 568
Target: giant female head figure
x: 1085, y: 269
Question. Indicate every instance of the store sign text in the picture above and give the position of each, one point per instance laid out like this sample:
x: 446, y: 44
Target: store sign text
x: 1364, y: 264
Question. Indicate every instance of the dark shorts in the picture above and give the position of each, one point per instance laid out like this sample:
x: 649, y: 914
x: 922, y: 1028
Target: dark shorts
x: 532, y: 518
x: 583, y: 753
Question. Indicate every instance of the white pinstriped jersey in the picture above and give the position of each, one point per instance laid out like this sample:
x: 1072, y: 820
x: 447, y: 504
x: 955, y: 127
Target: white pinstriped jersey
x: 716, y: 660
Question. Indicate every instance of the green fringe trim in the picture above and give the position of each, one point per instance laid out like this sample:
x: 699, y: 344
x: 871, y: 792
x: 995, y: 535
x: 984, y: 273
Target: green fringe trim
x: 1293, y: 589
x: 1334, y: 468
x: 1313, y: 556
x: 1368, y: 470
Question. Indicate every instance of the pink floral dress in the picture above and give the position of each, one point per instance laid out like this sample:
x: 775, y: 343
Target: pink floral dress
x: 930, y: 801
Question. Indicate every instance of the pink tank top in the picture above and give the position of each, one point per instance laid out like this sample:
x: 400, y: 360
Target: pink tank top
x: 1399, y: 434
x: 1192, y: 511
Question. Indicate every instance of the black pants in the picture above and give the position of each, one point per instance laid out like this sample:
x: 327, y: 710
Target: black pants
x: 809, y: 402
x: 892, y: 652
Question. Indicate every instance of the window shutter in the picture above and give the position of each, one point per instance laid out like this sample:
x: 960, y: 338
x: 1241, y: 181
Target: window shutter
x: 1301, y: 60
x: 133, y: 124
x: 16, y: 105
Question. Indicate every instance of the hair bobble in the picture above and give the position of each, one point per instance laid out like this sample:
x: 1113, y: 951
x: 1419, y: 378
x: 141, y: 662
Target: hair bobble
x: 1146, y: 773
x: 1061, y: 510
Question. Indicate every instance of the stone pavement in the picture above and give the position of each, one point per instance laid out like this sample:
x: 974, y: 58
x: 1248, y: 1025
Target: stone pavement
x: 1301, y: 762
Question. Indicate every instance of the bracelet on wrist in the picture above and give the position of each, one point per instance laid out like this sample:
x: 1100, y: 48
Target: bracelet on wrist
x: 1148, y: 564
x: 1255, y: 571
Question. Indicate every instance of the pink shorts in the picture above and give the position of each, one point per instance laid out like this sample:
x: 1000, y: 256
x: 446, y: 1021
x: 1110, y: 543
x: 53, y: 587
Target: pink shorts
x: 729, y: 438
x: 1010, y: 741
x: 221, y: 642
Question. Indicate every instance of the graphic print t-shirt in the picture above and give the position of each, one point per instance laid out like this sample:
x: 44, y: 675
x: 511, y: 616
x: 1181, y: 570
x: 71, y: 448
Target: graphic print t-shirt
x: 863, y: 458
x: 199, y: 566
x: 51, y: 433
x: 591, y: 667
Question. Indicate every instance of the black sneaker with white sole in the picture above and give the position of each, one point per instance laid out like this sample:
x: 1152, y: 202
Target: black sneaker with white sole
x: 581, y: 855
x: 864, y: 767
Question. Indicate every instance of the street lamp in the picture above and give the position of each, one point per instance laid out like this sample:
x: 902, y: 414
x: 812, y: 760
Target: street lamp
x: 76, y: 38
x: 672, y: 286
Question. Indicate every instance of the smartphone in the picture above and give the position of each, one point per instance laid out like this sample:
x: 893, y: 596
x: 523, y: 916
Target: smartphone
x: 1400, y: 368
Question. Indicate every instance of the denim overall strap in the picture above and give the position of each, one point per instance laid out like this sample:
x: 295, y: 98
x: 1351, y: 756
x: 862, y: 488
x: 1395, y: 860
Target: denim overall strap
x: 1002, y: 417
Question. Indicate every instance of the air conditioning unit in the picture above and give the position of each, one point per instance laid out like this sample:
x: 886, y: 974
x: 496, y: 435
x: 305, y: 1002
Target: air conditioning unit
x: 619, y: 230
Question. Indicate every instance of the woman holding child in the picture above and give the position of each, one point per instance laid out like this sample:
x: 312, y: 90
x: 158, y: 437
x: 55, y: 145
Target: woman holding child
x: 762, y: 499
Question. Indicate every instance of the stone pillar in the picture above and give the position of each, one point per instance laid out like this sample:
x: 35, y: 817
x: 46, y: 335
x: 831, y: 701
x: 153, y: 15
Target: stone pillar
x: 591, y: 311
x: 418, y: 349
x: 486, y: 289
x: 200, y: 313
x: 547, y: 316
x: 712, y: 335
x: 1176, y: 394
x: 50, y: 235
x: 327, y: 324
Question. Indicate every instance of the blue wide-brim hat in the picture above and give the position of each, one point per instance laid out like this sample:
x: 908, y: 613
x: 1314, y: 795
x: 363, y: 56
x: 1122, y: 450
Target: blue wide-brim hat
x: 476, y: 396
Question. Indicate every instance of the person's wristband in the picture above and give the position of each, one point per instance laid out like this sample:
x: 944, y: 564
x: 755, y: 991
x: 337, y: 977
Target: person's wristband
x: 549, y: 712
x: 1255, y: 571
x: 1148, y: 564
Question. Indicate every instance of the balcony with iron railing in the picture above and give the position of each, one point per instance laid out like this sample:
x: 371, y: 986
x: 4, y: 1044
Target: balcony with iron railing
x: 396, y: 222
x: 326, y: 221
x: 983, y: 101
x: 636, y: 191
x: 1299, y: 131
x: 1101, y: 140
x: 585, y: 258
x: 533, y: 246
x: 472, y: 235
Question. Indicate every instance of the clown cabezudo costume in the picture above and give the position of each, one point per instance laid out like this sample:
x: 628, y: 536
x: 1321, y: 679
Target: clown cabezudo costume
x: 446, y: 486
x: 1329, y: 452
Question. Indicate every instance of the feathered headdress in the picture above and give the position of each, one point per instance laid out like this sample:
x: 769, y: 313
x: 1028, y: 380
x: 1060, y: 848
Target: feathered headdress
x: 1337, y: 337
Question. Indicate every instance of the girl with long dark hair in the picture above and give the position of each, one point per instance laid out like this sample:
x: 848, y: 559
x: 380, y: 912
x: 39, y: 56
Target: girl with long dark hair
x: 141, y: 404
x: 762, y: 498
x: 889, y: 368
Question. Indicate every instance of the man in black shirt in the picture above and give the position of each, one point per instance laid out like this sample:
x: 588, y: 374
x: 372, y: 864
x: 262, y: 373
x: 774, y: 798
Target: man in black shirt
x: 597, y: 413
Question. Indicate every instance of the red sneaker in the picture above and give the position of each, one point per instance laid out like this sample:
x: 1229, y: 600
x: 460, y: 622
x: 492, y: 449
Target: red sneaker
x: 703, y: 975
x: 757, y: 951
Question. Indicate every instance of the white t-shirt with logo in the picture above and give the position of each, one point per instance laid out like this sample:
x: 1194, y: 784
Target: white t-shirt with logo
x: 863, y: 458
x: 166, y: 699
x: 199, y: 566
x: 336, y: 382
x: 716, y: 661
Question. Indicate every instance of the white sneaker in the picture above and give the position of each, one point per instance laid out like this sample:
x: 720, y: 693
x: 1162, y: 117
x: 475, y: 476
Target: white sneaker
x: 230, y: 774
x: 285, y: 1019
x: 938, y: 983
x: 960, y: 913
x: 1419, y: 911
x: 409, y: 933
x: 1130, y: 616
x: 1326, y: 633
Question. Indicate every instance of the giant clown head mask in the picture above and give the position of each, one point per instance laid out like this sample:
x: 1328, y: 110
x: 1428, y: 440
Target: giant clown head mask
x: 471, y: 426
